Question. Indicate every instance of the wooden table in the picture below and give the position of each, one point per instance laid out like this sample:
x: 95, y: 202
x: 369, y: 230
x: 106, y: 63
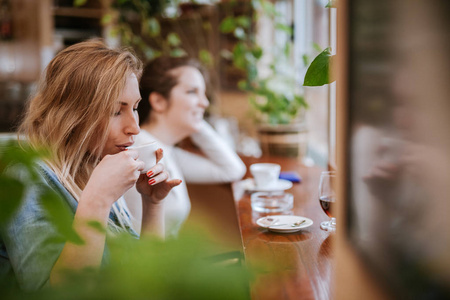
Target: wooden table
x: 293, y: 265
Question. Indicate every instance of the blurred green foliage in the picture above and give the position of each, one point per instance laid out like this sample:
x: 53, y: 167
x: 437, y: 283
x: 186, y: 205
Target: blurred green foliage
x: 331, y: 3
x: 149, y: 268
x: 11, y: 154
x: 139, y: 24
x: 152, y: 269
x: 18, y: 173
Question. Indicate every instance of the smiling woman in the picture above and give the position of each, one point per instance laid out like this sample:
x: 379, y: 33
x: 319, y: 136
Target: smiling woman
x: 84, y: 112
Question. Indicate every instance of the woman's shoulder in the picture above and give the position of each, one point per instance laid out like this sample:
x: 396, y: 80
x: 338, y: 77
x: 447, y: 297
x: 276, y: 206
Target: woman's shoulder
x: 34, y: 225
x: 33, y: 186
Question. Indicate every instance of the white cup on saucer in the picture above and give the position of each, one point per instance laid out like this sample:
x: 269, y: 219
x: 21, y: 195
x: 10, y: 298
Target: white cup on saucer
x: 147, y: 153
x: 265, y: 174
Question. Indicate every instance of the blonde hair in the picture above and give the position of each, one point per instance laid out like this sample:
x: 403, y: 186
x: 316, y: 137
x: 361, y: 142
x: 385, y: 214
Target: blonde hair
x: 70, y: 111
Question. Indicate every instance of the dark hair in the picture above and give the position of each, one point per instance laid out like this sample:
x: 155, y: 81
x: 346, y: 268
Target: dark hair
x: 158, y: 77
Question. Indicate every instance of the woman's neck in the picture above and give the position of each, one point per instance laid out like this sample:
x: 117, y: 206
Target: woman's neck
x: 163, y: 133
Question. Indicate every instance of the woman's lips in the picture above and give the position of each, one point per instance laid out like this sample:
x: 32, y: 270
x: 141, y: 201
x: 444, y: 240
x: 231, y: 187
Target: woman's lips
x: 124, y: 146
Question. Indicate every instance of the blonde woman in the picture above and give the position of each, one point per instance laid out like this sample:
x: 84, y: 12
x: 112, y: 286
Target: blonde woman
x: 172, y: 109
x: 85, y: 111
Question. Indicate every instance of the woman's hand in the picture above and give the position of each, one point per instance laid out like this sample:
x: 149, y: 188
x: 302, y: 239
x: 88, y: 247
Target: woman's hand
x: 154, y: 185
x: 114, y: 175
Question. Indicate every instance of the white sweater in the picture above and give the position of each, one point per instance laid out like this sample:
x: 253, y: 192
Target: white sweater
x: 220, y: 164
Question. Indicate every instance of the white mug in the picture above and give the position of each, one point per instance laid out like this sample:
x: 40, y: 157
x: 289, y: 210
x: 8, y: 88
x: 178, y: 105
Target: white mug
x: 265, y: 174
x: 147, y: 154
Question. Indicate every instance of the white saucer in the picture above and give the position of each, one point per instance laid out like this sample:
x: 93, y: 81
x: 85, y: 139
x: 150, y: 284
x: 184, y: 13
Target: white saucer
x: 281, y: 185
x: 271, y: 223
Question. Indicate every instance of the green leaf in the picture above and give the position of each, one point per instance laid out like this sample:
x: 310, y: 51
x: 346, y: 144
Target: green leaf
x: 205, y: 57
x: 11, y: 193
x: 178, y: 52
x: 173, y: 39
x: 239, y: 52
x: 151, y: 53
x: 318, y: 72
x: 96, y: 225
x: 79, y: 2
x: 317, y: 47
x: 243, y: 21
x: 301, y: 101
x: 243, y: 85
x: 106, y: 19
x: 12, y: 153
x: 268, y: 7
x: 284, y: 27
x: 331, y: 4
x: 252, y: 72
x: 137, y: 40
x: 60, y: 215
x: 287, y: 49
x: 305, y: 59
x: 153, y: 27
x: 206, y: 25
x: 228, y: 25
x: 114, y: 32
x: 257, y: 52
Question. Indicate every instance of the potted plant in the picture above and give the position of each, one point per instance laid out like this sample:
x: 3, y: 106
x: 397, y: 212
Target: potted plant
x: 277, y: 102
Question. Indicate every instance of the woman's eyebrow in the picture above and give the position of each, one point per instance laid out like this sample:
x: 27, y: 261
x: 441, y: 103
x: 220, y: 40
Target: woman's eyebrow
x: 126, y: 103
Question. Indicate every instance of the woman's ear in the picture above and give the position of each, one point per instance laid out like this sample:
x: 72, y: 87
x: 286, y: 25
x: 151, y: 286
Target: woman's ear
x: 157, y: 102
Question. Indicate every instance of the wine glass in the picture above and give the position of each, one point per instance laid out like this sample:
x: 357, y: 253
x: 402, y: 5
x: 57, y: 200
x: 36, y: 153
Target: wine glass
x: 327, y: 199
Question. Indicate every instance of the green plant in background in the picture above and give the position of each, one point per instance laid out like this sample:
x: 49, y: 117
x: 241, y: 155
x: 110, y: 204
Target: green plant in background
x: 140, y: 25
x: 275, y: 97
x: 149, y: 268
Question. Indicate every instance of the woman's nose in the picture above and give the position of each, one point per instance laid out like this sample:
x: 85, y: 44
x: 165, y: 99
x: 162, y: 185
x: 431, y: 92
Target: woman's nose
x: 204, y: 101
x: 132, y: 125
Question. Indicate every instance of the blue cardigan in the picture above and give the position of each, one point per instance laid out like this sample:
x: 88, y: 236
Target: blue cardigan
x: 30, y: 243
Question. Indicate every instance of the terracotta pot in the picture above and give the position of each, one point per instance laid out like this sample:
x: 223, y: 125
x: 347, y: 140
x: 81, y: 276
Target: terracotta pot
x: 290, y: 140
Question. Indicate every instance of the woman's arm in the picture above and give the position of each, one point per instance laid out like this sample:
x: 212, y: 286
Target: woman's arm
x: 110, y: 179
x: 152, y: 218
x: 89, y: 254
x: 221, y: 163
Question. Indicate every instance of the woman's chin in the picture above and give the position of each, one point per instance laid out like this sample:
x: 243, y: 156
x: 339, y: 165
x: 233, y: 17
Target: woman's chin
x: 189, y: 129
x: 197, y: 127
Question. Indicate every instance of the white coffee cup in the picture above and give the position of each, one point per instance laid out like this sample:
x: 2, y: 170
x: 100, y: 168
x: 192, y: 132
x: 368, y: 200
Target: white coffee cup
x: 147, y: 154
x: 265, y: 174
